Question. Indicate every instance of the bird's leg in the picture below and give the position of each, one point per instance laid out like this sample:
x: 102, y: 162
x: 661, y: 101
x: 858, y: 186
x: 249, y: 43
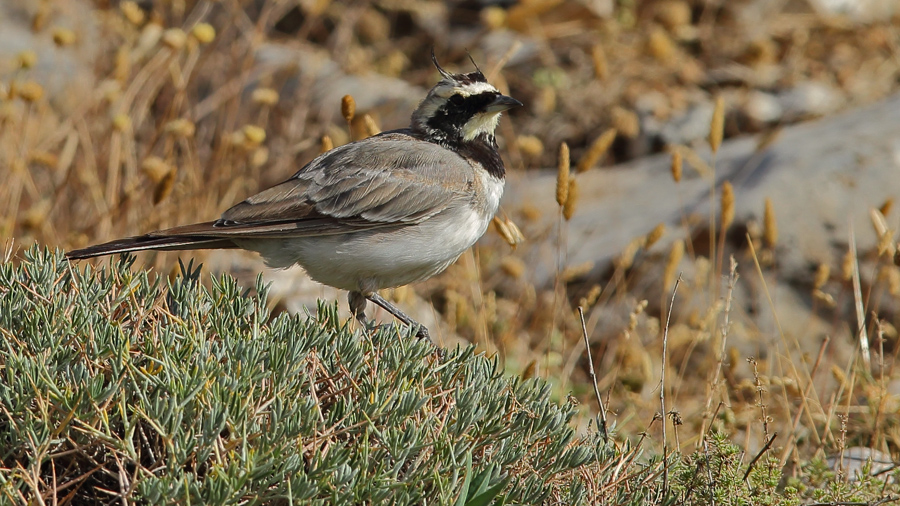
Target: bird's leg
x: 421, y: 333
x: 357, y: 303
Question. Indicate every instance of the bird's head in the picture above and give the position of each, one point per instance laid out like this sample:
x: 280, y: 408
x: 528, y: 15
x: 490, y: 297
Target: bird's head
x: 460, y: 108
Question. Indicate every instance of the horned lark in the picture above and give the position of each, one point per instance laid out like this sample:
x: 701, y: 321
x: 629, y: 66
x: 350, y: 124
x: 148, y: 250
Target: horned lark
x: 377, y: 213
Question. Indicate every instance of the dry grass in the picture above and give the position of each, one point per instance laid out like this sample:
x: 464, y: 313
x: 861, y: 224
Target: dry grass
x: 182, y: 122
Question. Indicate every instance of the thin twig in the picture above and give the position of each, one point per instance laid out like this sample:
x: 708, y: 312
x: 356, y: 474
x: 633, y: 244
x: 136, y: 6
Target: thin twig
x: 662, y: 384
x: 758, y: 455
x: 587, y: 346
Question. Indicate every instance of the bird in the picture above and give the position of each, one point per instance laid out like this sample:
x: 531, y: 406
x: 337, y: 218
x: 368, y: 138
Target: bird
x: 385, y: 211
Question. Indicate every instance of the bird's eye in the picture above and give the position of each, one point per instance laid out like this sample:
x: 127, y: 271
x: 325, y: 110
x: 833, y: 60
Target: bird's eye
x: 456, y: 99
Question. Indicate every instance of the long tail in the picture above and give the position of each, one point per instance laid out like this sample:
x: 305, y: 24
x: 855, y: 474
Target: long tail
x: 151, y: 242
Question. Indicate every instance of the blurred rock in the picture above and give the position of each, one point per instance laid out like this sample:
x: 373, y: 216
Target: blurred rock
x: 690, y: 126
x: 811, y: 98
x: 763, y: 107
x: 316, y: 73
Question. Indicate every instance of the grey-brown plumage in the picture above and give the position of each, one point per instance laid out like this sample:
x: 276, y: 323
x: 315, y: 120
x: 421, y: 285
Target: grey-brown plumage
x: 382, y: 212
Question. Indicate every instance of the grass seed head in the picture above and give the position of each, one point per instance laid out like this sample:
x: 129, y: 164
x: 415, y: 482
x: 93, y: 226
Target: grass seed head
x: 348, y: 108
x: 164, y: 188
x: 259, y: 157
x: 204, y: 33
x: 371, y: 127
x: 265, y: 96
x: 676, y: 253
x: 30, y: 91
x: 601, y: 67
x: 661, y: 46
x: 571, y: 200
x: 654, y: 235
x: 26, y: 59
x: 174, y: 38
x: 727, y: 205
x: 155, y: 168
x: 886, y: 207
x: 717, y: 125
x: 562, y: 175
x: 513, y: 267
x: 63, y: 37
x: 591, y: 298
x: 327, y: 143
x: 625, y: 260
x: 493, y: 17
x: 132, y: 12
x: 122, y: 122
x: 255, y: 135
x: 573, y: 272
x: 770, y: 226
x: 508, y: 231
x: 530, y: 145
x: 597, y: 150
x: 823, y: 272
x: 847, y: 266
x: 626, y: 122
x: 677, y: 165
x: 181, y: 127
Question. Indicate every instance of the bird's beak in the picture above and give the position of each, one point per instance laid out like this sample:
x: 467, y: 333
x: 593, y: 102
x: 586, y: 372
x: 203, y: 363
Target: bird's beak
x: 502, y: 103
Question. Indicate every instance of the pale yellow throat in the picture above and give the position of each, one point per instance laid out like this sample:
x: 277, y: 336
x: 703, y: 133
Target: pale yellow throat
x: 483, y: 122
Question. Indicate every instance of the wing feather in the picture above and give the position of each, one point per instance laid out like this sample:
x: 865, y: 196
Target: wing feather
x: 388, y: 180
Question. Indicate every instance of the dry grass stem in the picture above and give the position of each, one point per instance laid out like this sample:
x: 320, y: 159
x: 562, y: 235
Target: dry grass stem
x: 717, y: 125
x: 861, y: 331
x: 562, y: 175
x: 593, y: 375
x: 662, y: 379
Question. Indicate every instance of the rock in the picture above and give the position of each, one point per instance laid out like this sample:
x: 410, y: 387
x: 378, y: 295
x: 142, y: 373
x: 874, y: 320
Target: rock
x: 690, y: 126
x: 763, y: 107
x: 810, y: 98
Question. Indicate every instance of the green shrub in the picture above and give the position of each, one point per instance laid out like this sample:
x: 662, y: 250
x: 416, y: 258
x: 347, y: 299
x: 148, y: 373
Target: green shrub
x: 116, y: 388
x: 114, y: 384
